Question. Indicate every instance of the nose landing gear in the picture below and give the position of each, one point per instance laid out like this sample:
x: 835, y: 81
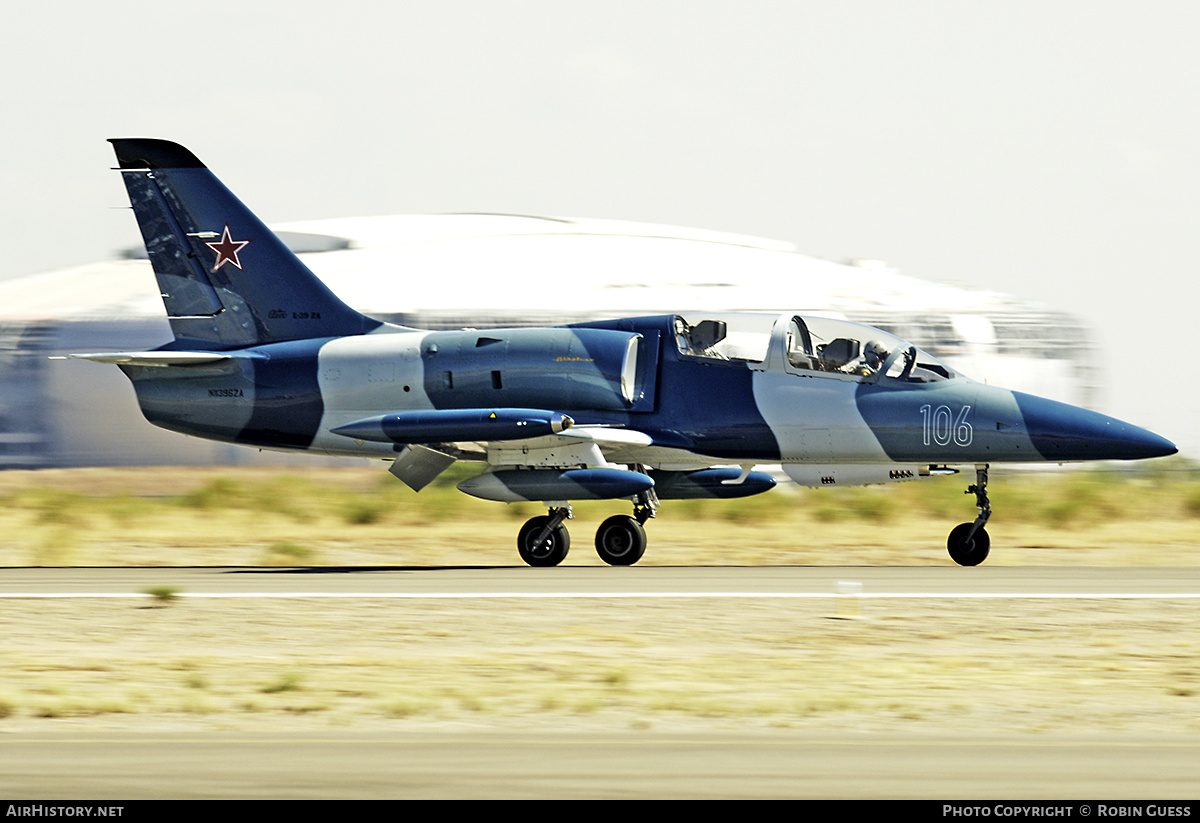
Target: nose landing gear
x: 969, y: 543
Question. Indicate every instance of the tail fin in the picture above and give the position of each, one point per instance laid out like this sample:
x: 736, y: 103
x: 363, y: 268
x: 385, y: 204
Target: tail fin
x: 227, y: 281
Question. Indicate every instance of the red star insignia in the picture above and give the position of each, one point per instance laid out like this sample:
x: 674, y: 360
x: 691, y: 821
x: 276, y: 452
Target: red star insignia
x: 227, y: 250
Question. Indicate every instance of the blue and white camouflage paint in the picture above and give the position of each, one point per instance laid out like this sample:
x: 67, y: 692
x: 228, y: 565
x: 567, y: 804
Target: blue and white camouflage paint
x: 643, y: 408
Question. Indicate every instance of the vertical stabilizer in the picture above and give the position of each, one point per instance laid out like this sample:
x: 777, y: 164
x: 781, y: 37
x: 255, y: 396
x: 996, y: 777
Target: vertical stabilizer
x: 226, y: 280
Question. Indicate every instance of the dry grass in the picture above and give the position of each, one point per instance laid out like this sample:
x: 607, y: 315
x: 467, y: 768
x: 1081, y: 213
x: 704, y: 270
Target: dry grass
x: 361, y: 515
x: 1018, y: 667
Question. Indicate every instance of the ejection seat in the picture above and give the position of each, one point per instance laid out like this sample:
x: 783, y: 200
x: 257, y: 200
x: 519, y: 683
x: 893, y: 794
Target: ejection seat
x: 838, y: 352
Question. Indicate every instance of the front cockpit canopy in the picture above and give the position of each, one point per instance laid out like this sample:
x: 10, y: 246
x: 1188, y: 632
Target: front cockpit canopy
x: 806, y: 345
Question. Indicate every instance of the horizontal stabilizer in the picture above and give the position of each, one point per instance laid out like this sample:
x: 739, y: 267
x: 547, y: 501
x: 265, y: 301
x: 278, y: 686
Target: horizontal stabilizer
x: 159, y: 359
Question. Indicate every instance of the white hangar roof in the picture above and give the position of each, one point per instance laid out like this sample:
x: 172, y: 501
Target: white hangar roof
x: 492, y: 268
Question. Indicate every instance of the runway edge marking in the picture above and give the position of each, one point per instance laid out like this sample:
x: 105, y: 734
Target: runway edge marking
x: 610, y: 595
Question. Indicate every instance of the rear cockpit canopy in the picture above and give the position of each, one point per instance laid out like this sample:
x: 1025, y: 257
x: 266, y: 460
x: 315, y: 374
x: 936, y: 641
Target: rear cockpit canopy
x: 806, y: 345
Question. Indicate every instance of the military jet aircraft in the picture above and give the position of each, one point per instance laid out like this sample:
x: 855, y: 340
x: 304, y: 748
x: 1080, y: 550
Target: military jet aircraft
x: 643, y: 409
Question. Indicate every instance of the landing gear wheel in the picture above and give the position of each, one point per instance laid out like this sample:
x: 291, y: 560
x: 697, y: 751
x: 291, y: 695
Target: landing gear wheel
x: 551, y: 551
x: 620, y: 540
x: 968, y: 543
x: 968, y: 551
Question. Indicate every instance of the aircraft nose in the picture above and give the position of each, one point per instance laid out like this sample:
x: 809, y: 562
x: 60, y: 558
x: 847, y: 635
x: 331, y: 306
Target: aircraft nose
x: 1063, y: 432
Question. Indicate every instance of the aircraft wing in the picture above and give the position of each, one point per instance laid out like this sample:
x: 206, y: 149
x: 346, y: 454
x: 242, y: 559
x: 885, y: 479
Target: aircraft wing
x: 159, y: 359
x: 528, y: 438
x: 498, y: 430
x: 610, y: 436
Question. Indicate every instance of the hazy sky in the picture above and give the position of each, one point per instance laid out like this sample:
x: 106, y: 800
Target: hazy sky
x: 1046, y: 149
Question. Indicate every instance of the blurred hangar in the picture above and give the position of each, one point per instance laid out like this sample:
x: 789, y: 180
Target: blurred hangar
x: 483, y: 270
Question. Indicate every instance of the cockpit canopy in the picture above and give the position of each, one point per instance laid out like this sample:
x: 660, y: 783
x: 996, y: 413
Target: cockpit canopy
x: 806, y: 345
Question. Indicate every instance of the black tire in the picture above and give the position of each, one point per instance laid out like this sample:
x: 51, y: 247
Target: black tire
x: 972, y: 552
x: 552, y: 552
x: 620, y: 540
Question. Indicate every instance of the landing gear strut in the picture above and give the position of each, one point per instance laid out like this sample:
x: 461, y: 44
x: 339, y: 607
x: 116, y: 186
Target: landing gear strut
x: 544, y: 540
x: 969, y: 543
x: 620, y: 540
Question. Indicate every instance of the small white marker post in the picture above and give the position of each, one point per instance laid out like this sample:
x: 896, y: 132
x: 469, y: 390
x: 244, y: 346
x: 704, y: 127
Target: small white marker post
x: 848, y: 601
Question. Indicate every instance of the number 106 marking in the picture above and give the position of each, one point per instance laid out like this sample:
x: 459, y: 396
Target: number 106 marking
x: 940, y: 426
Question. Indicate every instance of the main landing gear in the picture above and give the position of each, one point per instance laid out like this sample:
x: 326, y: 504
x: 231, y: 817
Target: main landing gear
x: 620, y: 540
x: 969, y: 543
x: 544, y: 540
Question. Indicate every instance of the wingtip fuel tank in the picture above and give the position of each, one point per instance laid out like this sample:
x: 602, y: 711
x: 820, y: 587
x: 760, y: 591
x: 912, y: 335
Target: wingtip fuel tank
x: 450, y: 425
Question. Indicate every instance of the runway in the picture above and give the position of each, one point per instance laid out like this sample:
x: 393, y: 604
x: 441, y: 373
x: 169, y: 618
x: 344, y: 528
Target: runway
x: 904, y: 682
x: 611, y: 583
x: 465, y: 765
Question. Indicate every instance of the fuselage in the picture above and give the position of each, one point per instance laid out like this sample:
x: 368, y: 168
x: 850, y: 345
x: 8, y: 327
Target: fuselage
x: 764, y: 391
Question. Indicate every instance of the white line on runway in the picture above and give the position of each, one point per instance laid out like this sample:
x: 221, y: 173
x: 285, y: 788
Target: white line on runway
x: 614, y: 595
